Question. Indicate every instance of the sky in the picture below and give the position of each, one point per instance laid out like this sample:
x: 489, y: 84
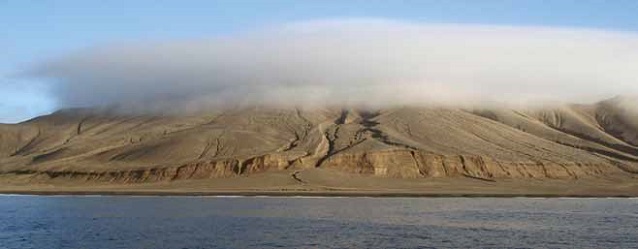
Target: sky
x: 37, y: 32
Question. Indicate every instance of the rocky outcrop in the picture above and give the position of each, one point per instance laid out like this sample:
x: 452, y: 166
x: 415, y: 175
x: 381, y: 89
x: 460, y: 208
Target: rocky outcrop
x: 198, y: 170
x: 395, y: 163
x: 414, y: 164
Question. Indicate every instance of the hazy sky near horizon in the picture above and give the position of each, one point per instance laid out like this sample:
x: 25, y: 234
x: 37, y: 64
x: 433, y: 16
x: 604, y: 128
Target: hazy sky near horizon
x: 33, y: 32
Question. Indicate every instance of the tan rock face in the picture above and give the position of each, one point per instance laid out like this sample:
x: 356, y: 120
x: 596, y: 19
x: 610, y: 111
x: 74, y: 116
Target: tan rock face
x: 412, y: 164
x: 567, y: 142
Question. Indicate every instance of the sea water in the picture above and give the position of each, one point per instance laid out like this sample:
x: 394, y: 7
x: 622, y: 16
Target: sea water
x: 291, y: 222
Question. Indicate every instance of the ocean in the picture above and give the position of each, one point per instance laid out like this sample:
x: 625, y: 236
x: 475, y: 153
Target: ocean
x: 302, y: 222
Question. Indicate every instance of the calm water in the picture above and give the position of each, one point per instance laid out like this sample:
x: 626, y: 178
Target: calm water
x: 215, y: 222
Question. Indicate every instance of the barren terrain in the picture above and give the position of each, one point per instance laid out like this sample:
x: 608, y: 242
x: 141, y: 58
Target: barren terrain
x: 566, y: 150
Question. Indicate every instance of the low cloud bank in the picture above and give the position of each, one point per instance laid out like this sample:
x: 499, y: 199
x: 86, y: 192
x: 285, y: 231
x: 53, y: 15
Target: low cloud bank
x: 365, y: 62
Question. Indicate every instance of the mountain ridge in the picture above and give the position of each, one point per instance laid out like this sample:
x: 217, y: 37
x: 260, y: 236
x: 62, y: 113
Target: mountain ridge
x: 487, y: 144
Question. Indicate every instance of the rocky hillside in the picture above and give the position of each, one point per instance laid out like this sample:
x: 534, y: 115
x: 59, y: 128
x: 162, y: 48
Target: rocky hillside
x: 566, y: 142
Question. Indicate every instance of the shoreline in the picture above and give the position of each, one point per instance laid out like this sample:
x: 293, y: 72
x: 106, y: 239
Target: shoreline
x: 303, y: 194
x: 329, y: 184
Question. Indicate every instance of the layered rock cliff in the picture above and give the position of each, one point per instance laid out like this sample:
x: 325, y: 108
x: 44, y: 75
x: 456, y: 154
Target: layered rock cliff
x: 563, y: 142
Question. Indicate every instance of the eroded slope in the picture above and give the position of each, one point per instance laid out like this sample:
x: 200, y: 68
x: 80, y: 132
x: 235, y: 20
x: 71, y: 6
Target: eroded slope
x: 566, y: 142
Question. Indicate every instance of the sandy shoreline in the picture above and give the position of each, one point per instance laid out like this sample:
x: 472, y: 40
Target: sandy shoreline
x: 329, y: 184
x: 306, y: 194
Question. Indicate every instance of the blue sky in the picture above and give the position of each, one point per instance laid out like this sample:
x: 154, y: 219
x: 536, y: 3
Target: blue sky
x: 33, y: 31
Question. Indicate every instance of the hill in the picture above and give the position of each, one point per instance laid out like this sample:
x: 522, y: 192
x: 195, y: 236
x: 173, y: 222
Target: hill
x: 567, y: 142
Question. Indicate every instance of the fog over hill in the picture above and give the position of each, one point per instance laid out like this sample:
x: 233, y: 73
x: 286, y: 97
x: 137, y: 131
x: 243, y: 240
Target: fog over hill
x: 352, y: 62
x: 349, y: 97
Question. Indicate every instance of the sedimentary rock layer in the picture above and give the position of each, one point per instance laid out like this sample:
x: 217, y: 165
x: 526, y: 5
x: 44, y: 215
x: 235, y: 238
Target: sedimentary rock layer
x: 561, y: 142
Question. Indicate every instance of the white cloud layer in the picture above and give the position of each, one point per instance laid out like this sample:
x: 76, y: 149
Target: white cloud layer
x: 353, y: 62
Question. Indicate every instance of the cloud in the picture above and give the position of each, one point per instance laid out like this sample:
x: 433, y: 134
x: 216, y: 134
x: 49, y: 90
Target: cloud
x: 352, y: 62
x: 628, y: 105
